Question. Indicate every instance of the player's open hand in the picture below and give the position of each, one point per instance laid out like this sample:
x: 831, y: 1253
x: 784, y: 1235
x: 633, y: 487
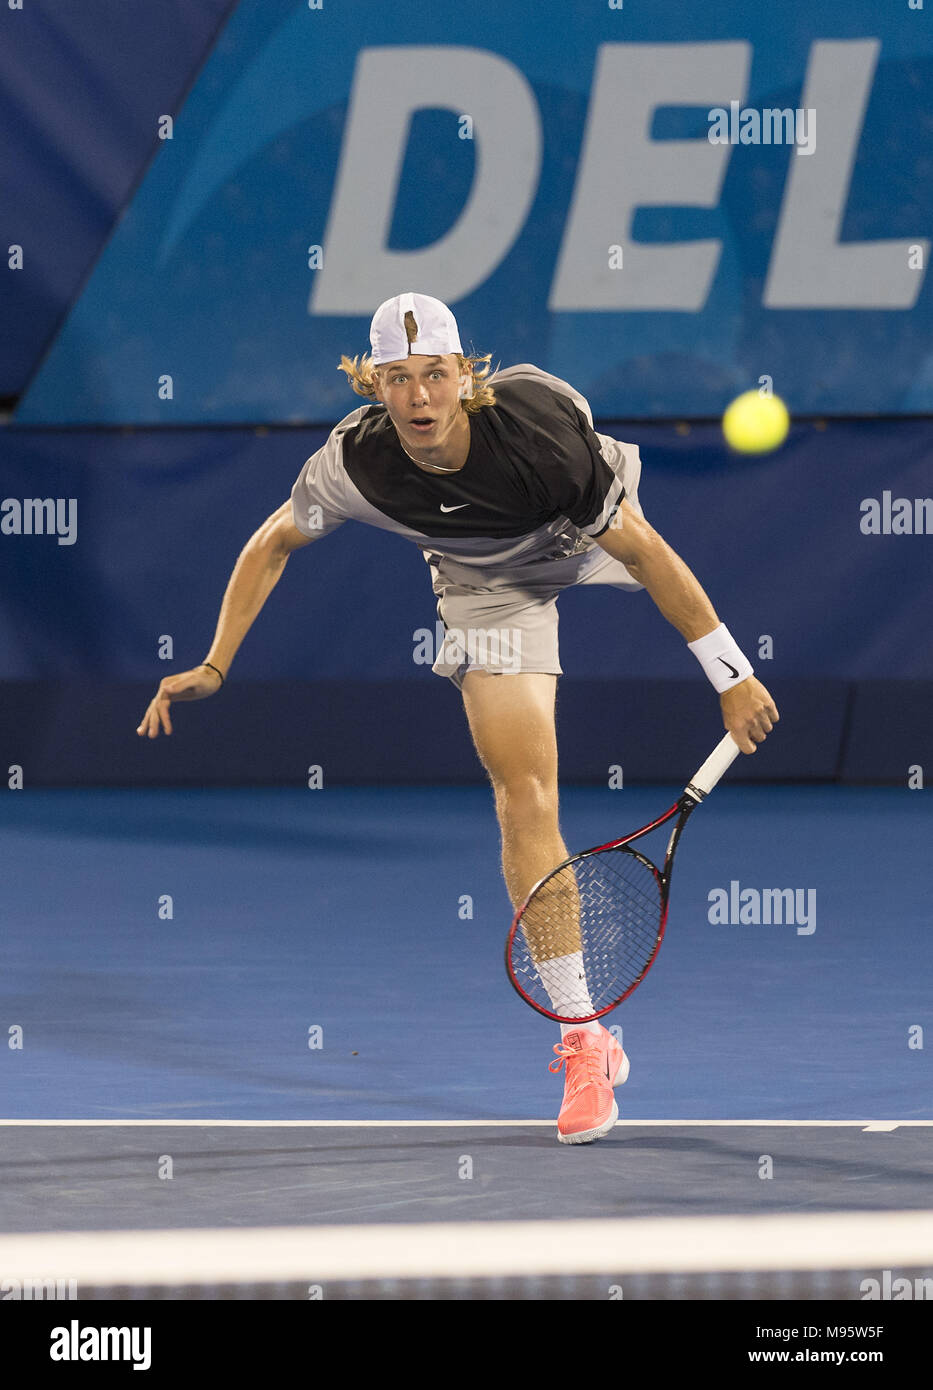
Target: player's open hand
x: 748, y: 713
x: 189, y: 685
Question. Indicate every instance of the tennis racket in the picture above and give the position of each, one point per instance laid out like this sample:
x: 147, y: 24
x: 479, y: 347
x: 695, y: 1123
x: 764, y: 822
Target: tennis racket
x: 589, y: 931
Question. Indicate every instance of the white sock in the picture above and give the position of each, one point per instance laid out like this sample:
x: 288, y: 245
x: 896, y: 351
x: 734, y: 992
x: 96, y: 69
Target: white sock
x: 565, y: 981
x: 592, y: 1027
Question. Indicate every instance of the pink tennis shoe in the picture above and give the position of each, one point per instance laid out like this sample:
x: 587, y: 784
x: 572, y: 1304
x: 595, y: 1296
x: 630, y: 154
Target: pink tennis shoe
x: 595, y: 1064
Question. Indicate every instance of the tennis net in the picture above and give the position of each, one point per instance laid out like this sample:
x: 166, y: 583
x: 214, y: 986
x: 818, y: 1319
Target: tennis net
x: 834, y: 1256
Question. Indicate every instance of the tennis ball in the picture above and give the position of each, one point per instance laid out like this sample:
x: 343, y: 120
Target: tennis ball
x: 755, y: 424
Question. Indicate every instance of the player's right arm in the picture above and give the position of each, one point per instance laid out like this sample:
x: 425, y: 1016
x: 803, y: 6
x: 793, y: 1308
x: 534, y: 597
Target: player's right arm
x: 255, y: 575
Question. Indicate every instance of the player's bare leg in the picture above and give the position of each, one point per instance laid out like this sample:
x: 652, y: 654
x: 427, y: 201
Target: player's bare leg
x: 511, y: 719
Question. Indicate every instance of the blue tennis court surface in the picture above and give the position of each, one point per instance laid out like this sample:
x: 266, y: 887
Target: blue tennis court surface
x: 87, y: 1177
x: 337, y: 954
x: 269, y: 1050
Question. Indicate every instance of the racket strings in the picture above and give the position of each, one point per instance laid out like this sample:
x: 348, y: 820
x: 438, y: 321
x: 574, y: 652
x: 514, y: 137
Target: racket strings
x: 588, y: 933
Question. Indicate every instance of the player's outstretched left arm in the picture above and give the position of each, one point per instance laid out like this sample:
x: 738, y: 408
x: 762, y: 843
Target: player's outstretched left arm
x: 748, y: 711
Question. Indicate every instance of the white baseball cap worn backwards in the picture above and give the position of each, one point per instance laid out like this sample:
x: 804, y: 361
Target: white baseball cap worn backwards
x: 438, y: 334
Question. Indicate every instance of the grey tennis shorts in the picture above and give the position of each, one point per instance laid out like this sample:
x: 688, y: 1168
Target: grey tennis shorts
x: 505, y: 620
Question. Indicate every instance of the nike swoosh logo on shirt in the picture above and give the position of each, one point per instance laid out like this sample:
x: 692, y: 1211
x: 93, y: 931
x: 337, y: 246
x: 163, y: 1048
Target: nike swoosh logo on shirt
x: 466, y: 504
x: 735, y: 674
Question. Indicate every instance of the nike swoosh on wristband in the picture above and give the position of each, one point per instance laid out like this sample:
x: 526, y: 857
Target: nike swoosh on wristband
x: 735, y: 674
x: 466, y: 504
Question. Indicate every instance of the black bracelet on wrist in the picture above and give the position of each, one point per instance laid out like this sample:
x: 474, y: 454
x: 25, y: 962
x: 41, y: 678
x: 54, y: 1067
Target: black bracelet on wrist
x: 214, y: 668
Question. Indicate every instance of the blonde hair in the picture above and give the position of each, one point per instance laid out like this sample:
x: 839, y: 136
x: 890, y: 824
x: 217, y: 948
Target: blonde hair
x: 361, y: 372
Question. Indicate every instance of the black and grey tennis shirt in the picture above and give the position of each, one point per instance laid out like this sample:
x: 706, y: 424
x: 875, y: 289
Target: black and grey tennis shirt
x: 538, y: 482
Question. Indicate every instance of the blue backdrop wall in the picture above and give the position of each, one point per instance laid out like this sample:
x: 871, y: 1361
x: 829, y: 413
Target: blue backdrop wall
x: 201, y: 204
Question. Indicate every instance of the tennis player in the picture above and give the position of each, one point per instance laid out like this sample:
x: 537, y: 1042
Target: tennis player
x: 501, y: 481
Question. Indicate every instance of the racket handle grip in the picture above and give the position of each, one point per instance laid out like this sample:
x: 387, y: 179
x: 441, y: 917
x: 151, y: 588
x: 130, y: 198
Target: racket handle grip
x: 719, y: 761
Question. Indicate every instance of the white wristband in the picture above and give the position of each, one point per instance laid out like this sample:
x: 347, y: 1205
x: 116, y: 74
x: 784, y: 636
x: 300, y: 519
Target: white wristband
x: 724, y: 663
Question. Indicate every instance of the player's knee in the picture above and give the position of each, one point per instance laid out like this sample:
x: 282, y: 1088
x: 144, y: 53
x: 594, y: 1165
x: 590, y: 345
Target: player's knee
x: 525, y: 800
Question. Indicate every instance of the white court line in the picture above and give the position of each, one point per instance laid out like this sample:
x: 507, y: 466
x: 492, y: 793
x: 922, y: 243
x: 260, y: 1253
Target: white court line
x: 867, y: 1125
x: 458, y: 1250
